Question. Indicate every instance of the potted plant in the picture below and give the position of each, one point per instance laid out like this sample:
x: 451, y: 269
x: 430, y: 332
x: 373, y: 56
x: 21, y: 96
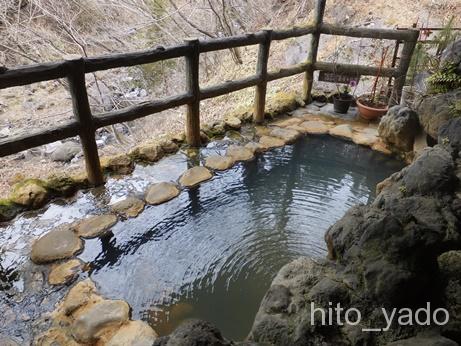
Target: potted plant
x: 343, y: 99
x: 374, y: 105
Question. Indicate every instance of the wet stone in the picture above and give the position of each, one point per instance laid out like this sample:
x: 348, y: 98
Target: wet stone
x: 129, y: 207
x: 96, y: 226
x: 287, y: 135
x: 161, y: 193
x: 288, y: 122
x: 239, y: 153
x: 134, y: 333
x: 60, y: 243
x: 255, y: 147
x: 55, y: 337
x: 64, y: 273
x: 315, y: 127
x: 218, y: 162
x: 195, y: 176
x: 89, y: 324
x: 366, y: 137
x: 342, y: 131
x: 79, y: 295
x: 271, y: 142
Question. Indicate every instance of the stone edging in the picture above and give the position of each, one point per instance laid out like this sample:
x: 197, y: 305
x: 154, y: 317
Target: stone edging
x: 86, y: 315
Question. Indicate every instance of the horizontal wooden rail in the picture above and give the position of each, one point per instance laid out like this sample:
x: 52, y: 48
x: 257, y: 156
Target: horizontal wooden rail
x: 86, y: 123
x: 384, y: 34
x: 228, y: 87
x: 278, y: 35
x: 355, y: 69
x: 288, y: 71
x: 15, y: 144
x: 29, y: 74
x: 106, y: 62
x: 140, y: 110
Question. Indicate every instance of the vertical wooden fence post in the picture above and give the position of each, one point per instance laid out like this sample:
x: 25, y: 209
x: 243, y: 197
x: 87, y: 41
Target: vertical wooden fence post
x: 83, y: 114
x: 312, y: 55
x: 261, y: 72
x: 402, y: 70
x: 193, y: 88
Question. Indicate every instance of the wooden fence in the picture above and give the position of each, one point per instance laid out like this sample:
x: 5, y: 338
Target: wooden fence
x: 85, y: 123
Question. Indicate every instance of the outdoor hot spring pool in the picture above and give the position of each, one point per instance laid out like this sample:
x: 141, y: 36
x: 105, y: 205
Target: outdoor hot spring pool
x: 212, y: 252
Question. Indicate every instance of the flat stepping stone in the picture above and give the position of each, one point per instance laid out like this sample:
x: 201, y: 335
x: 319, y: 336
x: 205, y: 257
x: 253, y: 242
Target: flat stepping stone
x: 288, y: 122
x: 262, y: 131
x: 82, y: 293
x: 129, y: 207
x: 96, y: 226
x: 342, y: 131
x: 161, y: 192
x: 366, y: 137
x: 255, y: 147
x: 287, y: 135
x: 89, y: 324
x: 133, y: 333
x: 315, y: 127
x: 271, y: 142
x: 65, y: 273
x: 239, y: 153
x: 195, y: 176
x: 60, y: 243
x: 219, y: 163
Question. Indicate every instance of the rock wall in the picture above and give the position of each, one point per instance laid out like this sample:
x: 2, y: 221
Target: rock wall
x: 402, y: 251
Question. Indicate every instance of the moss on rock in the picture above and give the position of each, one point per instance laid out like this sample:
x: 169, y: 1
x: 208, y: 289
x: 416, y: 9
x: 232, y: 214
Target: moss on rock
x: 8, y: 210
x: 31, y: 193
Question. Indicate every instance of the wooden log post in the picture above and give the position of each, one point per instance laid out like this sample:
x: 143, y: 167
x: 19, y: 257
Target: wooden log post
x: 261, y: 73
x: 312, y: 56
x: 84, y: 117
x: 193, y: 89
x: 402, y: 70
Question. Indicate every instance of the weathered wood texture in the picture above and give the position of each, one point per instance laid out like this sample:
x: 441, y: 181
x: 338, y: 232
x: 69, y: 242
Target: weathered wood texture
x: 13, y: 145
x: 140, y: 110
x: 402, y: 70
x: 82, y: 112
x: 312, y: 55
x: 261, y: 72
x: 193, y: 89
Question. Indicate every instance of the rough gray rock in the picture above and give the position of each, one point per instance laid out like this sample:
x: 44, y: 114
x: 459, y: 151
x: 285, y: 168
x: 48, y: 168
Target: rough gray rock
x: 399, y: 127
x: 451, y: 132
x: 434, y: 110
x: 452, y: 55
x: 384, y: 255
x: 65, y: 152
x: 194, y: 333
x: 432, y: 340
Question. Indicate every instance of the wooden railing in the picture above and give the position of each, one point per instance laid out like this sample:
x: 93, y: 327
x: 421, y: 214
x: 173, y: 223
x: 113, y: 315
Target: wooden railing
x: 85, y: 123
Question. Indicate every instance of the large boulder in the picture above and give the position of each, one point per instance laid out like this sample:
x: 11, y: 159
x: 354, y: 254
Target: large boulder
x: 435, y: 110
x: 399, y: 127
x: 450, y: 132
x: 382, y: 255
x: 30, y: 193
x: 194, y: 333
x: 452, y: 55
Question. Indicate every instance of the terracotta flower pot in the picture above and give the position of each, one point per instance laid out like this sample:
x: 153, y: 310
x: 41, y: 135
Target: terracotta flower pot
x: 370, y: 113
